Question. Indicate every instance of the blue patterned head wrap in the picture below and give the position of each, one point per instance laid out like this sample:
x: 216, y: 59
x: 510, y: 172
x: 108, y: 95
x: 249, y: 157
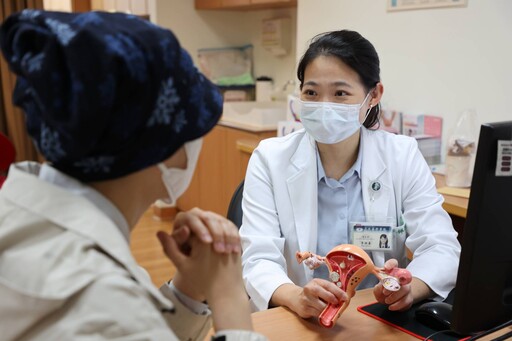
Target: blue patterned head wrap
x: 105, y: 94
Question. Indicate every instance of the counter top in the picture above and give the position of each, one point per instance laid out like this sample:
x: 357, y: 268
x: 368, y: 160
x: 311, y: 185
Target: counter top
x: 247, y: 127
x: 452, y: 204
x: 247, y: 145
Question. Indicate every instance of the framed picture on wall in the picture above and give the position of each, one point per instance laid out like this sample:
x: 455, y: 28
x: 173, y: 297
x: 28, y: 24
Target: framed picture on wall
x: 403, y: 5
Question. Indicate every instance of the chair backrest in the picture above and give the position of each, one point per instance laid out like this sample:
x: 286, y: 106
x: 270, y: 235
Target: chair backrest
x: 235, y: 213
x: 7, y: 156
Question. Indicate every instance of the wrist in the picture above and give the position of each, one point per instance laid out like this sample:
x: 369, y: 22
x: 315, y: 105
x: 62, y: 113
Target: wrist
x: 420, y: 290
x: 231, y: 310
x: 286, y: 295
x: 187, y: 289
x: 227, y: 296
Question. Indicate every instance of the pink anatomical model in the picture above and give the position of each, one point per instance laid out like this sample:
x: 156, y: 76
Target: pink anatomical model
x: 348, y: 266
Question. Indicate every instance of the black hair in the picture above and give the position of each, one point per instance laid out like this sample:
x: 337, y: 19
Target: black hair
x: 386, y: 243
x: 355, y: 51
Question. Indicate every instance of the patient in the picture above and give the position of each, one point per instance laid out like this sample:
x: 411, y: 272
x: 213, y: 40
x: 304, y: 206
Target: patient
x: 117, y: 108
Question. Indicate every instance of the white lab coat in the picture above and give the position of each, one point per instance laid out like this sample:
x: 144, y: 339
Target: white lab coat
x: 281, y: 215
x: 66, y: 273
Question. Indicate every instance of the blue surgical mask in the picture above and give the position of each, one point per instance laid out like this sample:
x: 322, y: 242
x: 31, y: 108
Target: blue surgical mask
x: 331, y: 123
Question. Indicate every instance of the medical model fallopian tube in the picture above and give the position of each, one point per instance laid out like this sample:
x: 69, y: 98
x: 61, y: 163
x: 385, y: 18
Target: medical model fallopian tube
x: 348, y: 266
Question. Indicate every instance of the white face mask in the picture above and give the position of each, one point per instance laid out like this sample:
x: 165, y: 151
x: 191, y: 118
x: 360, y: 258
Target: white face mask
x: 177, y: 180
x: 331, y: 123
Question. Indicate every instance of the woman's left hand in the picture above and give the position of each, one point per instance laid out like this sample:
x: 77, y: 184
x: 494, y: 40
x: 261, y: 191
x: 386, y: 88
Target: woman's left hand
x: 396, y: 300
x: 406, y: 296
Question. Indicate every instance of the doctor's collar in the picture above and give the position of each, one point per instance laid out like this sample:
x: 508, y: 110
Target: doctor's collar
x: 356, y: 167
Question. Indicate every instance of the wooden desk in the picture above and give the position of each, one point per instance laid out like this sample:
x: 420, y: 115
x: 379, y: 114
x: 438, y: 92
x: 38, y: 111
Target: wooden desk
x: 454, y: 205
x: 282, y: 324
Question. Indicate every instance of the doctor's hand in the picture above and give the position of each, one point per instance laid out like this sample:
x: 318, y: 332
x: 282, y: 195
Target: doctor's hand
x: 396, y: 300
x: 208, y: 227
x: 310, y: 300
x: 204, y: 274
x: 406, y: 296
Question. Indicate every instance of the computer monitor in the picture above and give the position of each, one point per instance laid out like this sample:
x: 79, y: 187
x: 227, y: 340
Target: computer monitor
x: 483, y: 292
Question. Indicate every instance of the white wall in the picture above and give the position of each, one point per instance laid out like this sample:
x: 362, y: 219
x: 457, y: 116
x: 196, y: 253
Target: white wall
x: 212, y: 29
x: 436, y: 61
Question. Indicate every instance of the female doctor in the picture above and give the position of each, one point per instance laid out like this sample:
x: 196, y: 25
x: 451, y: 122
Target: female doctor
x: 306, y: 191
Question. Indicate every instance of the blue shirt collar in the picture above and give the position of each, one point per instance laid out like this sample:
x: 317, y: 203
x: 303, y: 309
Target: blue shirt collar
x: 355, y: 169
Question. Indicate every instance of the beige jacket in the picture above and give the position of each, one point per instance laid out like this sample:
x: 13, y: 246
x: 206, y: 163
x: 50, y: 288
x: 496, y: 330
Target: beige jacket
x: 66, y: 273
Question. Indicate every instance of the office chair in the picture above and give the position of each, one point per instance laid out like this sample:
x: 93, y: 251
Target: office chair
x: 7, y: 156
x: 235, y: 213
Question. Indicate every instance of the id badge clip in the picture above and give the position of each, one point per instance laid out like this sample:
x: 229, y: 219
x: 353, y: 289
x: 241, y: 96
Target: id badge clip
x: 348, y: 266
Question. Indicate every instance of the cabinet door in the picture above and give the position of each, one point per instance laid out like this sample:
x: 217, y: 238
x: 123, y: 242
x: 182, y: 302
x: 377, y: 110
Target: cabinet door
x: 212, y: 172
x: 239, y: 159
x: 81, y: 5
x: 235, y: 158
x: 190, y: 198
x: 221, y: 167
x: 205, y: 186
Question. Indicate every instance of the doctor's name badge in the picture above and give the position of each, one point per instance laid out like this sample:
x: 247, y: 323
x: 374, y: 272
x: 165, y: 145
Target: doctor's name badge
x: 372, y: 236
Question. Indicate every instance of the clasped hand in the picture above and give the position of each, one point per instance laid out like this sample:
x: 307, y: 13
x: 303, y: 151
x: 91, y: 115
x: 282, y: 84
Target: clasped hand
x: 205, y: 248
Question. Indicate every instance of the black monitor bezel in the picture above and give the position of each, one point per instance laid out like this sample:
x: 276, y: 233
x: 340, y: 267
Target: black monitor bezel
x: 485, y: 269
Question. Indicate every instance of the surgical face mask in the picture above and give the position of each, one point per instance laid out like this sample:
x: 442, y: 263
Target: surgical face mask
x: 331, y: 123
x: 177, y: 180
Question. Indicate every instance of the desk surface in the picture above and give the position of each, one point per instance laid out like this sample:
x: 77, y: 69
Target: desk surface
x: 282, y: 324
x: 454, y: 205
